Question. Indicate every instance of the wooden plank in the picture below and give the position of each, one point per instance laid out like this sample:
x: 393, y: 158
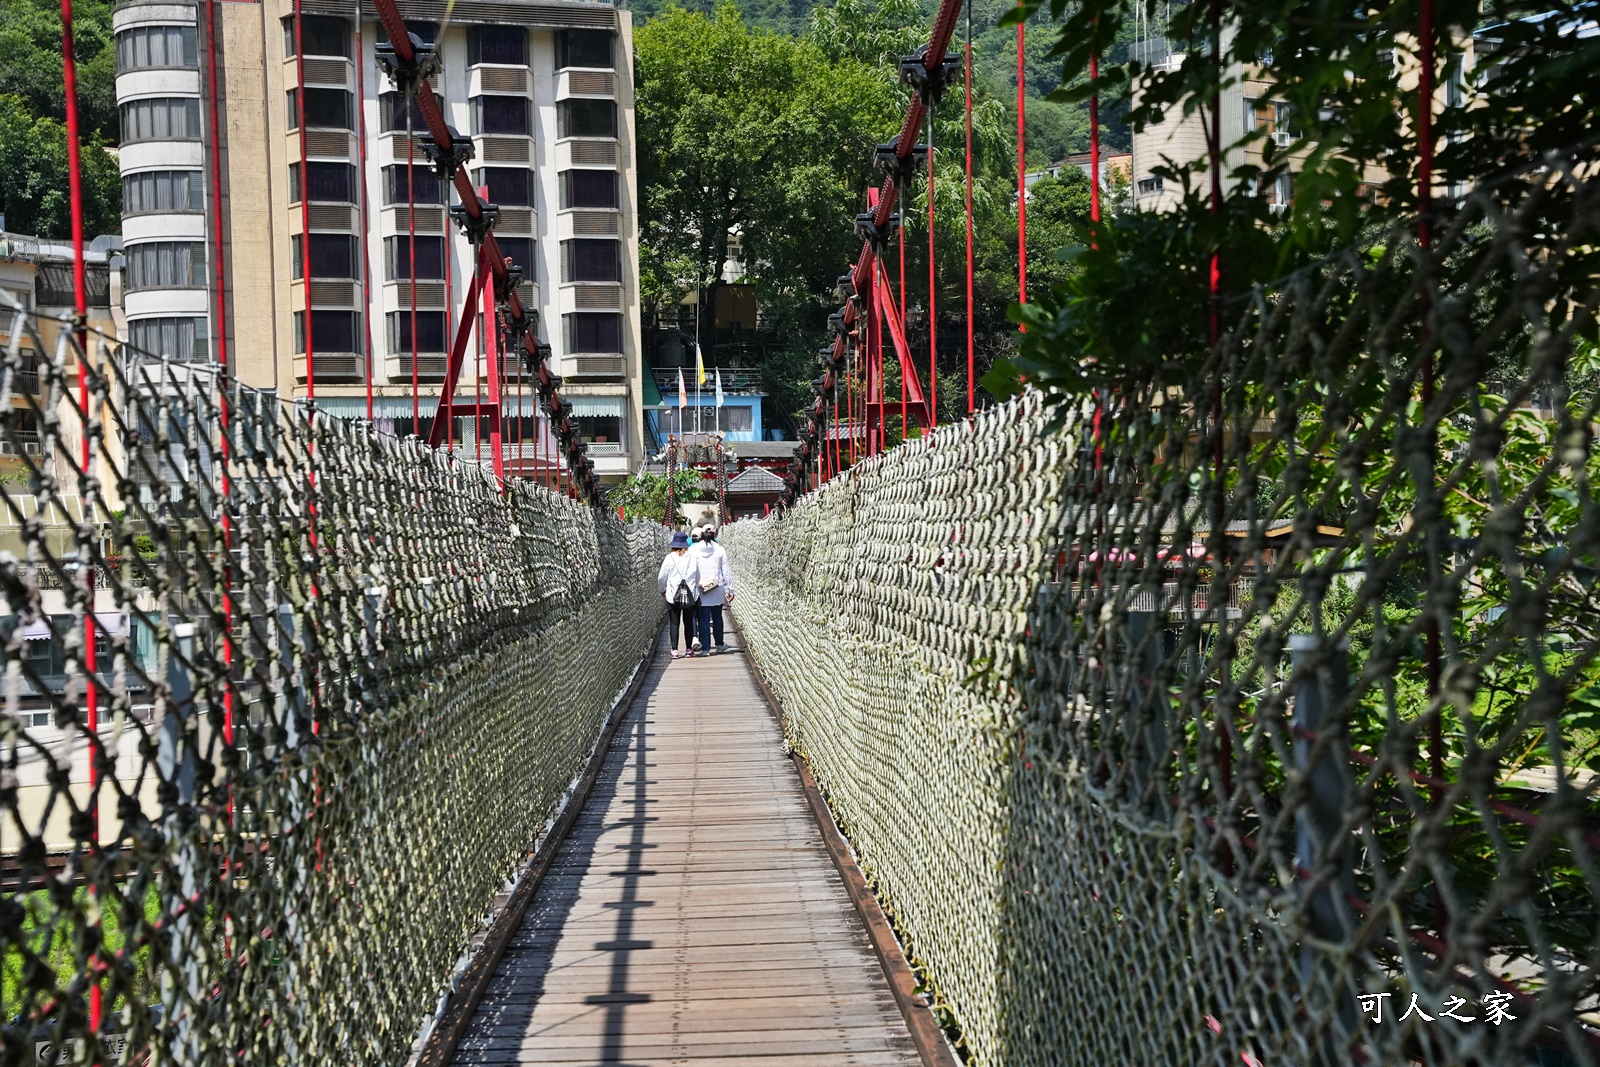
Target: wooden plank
x: 693, y: 913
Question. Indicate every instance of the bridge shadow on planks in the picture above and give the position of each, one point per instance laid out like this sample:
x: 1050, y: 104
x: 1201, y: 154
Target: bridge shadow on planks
x: 692, y: 915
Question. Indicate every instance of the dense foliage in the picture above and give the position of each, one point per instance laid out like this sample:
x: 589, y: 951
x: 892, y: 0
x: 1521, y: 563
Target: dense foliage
x: 745, y: 130
x: 33, y: 180
x: 33, y: 176
x: 1140, y: 298
x: 1496, y: 485
x: 643, y: 497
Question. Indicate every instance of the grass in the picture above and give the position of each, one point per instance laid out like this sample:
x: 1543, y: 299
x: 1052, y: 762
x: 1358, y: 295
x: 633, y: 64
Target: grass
x: 51, y: 932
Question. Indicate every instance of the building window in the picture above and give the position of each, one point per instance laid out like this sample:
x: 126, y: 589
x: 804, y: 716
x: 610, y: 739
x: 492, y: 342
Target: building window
x: 508, y: 186
x: 162, y: 191
x: 520, y: 251
x: 324, y: 35
x: 161, y: 119
x: 1270, y: 118
x: 426, y: 32
x: 599, y: 429
x: 500, y: 114
x: 326, y: 109
x: 497, y: 44
x: 397, y: 258
x: 47, y: 658
x: 186, y: 340
x: 588, y: 188
x: 591, y: 260
x: 331, y: 331
x: 735, y: 419
x: 166, y: 265
x: 424, y: 427
x: 1455, y: 81
x: 26, y: 380
x: 586, y: 118
x: 398, y: 185
x: 331, y: 183
x: 430, y: 332
x: 584, y: 48
x: 513, y: 428
x: 592, y: 331
x: 156, y: 46
x: 392, y: 114
x: 333, y: 255
x: 1150, y: 186
x: 53, y: 284
x: 1279, y: 191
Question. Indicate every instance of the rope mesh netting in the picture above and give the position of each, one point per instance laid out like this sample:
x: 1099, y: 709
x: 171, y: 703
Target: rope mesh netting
x: 1180, y: 721
x: 341, y: 683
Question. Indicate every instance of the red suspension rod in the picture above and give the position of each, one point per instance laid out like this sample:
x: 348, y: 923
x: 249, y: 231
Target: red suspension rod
x: 498, y: 282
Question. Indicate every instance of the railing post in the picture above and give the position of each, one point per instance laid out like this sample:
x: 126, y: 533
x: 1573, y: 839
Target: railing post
x: 1321, y: 741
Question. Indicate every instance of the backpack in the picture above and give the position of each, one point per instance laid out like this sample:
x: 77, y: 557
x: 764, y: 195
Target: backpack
x: 684, y: 593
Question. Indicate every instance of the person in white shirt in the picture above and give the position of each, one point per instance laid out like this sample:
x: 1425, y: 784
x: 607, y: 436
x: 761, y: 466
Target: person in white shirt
x: 716, y: 589
x: 679, y: 581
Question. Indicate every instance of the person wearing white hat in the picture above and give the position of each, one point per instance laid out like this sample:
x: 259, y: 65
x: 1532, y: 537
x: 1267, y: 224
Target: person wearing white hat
x: 716, y: 587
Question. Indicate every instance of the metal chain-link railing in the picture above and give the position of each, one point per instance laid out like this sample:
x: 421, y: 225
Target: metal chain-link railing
x: 338, y: 686
x: 1246, y: 712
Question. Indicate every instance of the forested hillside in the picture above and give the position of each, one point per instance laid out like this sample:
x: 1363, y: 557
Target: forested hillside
x: 768, y: 135
x: 1053, y: 130
x: 33, y: 137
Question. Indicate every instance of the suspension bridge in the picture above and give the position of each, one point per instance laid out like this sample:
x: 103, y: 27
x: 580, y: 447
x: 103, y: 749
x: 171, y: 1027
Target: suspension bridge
x: 1240, y: 715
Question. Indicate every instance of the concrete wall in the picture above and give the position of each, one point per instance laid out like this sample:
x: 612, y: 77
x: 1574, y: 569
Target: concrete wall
x: 253, y: 179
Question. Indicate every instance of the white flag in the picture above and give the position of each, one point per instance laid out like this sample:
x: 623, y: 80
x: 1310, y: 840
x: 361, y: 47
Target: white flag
x: 719, y: 387
x: 683, y: 394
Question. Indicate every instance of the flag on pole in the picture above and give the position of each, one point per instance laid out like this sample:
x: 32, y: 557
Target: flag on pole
x: 699, y: 365
x: 719, y: 386
x: 683, y: 394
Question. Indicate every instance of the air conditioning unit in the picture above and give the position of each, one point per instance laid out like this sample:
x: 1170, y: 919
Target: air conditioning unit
x: 31, y: 447
x: 1282, y: 138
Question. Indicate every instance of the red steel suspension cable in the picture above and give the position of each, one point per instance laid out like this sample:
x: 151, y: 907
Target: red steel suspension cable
x: 905, y: 424
x: 477, y: 371
x: 933, y: 296
x: 972, y: 394
x: 449, y: 331
x: 305, y: 203
x: 411, y: 253
x: 862, y: 274
x: 362, y: 207
x: 80, y: 304
x: 1432, y: 650
x: 221, y: 333
x: 1214, y: 323
x: 427, y: 105
x: 1094, y: 143
x: 1022, y: 177
x: 224, y: 416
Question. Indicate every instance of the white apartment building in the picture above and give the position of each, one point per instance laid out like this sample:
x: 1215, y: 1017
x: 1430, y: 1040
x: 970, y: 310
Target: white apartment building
x: 544, y: 93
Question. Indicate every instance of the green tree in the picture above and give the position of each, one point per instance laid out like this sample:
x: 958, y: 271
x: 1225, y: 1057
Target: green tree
x: 753, y: 133
x: 1058, y: 225
x: 33, y: 177
x: 643, y: 497
x: 875, y: 34
x: 30, y: 61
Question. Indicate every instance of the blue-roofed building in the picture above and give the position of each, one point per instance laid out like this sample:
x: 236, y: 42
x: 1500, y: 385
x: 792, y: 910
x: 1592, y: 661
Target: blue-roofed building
x: 739, y: 418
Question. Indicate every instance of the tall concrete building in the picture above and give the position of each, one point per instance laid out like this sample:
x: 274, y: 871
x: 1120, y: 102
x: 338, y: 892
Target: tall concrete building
x: 544, y: 92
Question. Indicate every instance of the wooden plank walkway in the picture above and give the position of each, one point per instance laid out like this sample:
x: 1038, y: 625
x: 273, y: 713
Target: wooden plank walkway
x: 692, y: 917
